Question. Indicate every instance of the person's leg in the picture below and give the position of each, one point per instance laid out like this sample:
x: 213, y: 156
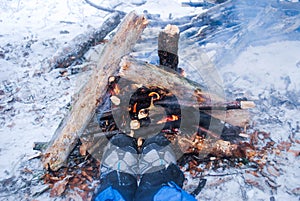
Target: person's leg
x: 161, y: 178
x: 118, y: 170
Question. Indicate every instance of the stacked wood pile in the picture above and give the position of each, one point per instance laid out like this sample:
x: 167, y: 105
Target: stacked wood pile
x: 73, y: 156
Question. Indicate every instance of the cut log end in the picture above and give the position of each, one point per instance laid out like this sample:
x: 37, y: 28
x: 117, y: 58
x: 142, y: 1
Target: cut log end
x: 171, y: 29
x: 247, y: 104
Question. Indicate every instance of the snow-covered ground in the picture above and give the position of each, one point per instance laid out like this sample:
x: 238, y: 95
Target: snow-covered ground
x: 33, y: 100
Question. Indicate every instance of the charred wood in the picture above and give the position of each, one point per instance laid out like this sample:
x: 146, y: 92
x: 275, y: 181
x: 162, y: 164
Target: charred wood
x: 168, y: 47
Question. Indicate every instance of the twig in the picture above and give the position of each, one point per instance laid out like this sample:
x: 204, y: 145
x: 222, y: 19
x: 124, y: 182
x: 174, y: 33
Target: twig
x: 202, y: 18
x: 223, y: 175
x: 41, y: 191
x: 210, y: 133
x: 213, y: 10
x: 200, y: 186
x: 103, y: 8
x: 101, y: 134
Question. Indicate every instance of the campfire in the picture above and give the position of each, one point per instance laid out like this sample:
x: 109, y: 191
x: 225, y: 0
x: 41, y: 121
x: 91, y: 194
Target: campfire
x: 141, y: 100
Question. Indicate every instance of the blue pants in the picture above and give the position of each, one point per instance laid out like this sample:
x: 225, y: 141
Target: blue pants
x: 170, y: 192
x: 162, y: 185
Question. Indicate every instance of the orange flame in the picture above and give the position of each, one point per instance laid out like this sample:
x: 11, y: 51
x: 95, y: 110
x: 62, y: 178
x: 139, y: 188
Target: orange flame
x: 134, y: 108
x: 168, y: 119
x: 116, y: 89
x: 154, y: 94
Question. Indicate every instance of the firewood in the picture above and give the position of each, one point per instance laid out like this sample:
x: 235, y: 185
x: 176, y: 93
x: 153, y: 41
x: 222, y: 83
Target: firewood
x: 79, y: 45
x: 168, y: 47
x: 184, y: 89
x: 237, y: 117
x: 86, y: 101
x: 217, y: 106
x: 150, y: 75
x: 115, y: 100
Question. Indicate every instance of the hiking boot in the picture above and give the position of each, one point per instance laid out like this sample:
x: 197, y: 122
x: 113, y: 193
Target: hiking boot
x: 120, y: 154
x: 157, y: 167
x: 156, y: 154
x: 119, y: 168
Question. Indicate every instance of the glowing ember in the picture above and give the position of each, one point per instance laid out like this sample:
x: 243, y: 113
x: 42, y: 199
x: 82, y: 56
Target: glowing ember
x: 151, y: 94
x: 168, y: 119
x: 134, y: 108
x: 116, y: 89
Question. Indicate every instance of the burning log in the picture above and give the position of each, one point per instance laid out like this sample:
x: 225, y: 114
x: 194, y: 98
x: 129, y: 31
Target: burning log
x: 168, y: 50
x: 185, y: 90
x: 85, y: 103
x: 150, y: 75
x: 79, y: 45
x: 233, y: 105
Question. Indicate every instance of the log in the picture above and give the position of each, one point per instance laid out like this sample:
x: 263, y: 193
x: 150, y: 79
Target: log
x: 78, y: 46
x: 168, y: 47
x: 168, y: 51
x: 86, y: 101
x: 184, y: 89
x: 233, y: 105
x: 238, y: 117
x: 150, y: 75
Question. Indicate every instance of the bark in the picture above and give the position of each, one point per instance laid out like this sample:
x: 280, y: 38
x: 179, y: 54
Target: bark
x: 86, y: 101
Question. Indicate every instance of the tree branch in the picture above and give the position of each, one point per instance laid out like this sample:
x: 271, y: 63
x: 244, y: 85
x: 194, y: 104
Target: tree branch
x: 103, y: 8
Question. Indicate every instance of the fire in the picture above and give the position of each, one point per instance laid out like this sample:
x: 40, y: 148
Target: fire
x: 134, y: 108
x: 116, y: 89
x: 154, y: 94
x: 168, y: 119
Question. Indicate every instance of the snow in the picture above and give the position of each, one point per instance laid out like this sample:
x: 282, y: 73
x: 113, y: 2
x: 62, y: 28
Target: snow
x: 33, y: 100
x: 260, y: 74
